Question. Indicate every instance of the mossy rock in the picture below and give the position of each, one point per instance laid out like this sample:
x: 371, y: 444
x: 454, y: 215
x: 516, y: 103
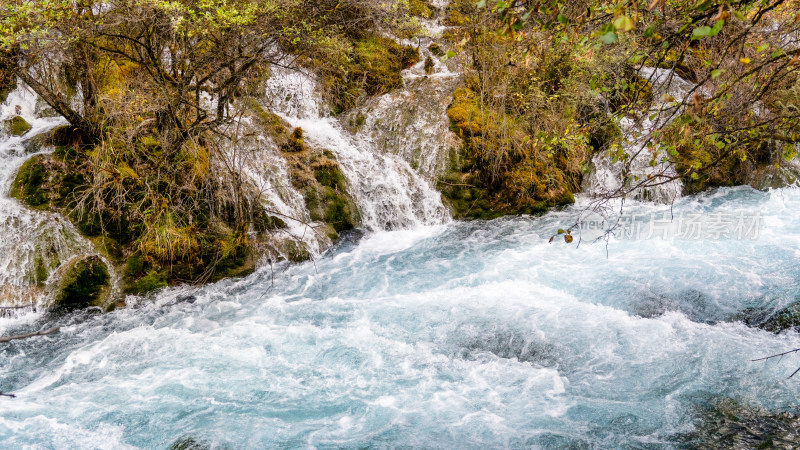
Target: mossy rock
x: 376, y: 63
x: 62, y: 136
x: 16, y: 126
x: 264, y: 222
x: 297, y: 252
x: 29, y: 184
x: 84, y: 283
x: 152, y: 281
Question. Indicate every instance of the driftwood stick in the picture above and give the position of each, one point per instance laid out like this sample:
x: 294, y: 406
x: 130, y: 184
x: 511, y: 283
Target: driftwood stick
x: 24, y: 336
x: 778, y: 355
x: 7, y: 395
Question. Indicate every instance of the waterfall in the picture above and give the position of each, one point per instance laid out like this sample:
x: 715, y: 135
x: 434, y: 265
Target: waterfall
x: 390, y: 194
x: 609, y: 177
x: 419, y: 131
x: 33, y: 244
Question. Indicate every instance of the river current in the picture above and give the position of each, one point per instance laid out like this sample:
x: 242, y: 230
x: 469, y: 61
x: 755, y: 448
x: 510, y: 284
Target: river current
x: 464, y: 335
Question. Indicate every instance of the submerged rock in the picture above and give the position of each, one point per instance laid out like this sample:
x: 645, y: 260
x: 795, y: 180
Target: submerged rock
x: 784, y: 319
x: 189, y: 444
x: 16, y: 126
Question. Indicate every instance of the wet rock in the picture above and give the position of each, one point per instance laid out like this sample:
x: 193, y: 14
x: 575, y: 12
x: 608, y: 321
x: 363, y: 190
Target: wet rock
x: 16, y: 126
x: 784, y: 319
x: 724, y: 423
x: 190, y: 444
x: 771, y: 177
x: 85, y: 282
x: 56, y: 136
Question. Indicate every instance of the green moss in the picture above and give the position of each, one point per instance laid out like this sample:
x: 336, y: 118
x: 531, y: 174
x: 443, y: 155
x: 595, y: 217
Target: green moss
x: 28, y: 184
x: 420, y: 8
x: 264, y: 222
x: 59, y: 137
x: 429, y: 65
x: 328, y: 174
x: 134, y: 266
x: 376, y: 63
x: 295, y: 141
x: 40, y: 271
x: 338, y: 212
x: 110, y: 248
x: 16, y: 126
x: 155, y: 279
x: 272, y: 123
x: 83, y: 284
x: 297, y: 252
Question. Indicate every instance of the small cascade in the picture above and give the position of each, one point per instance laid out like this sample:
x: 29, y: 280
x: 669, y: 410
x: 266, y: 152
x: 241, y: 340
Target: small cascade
x: 33, y: 244
x: 389, y: 192
x: 609, y: 177
x: 419, y: 131
x: 258, y: 157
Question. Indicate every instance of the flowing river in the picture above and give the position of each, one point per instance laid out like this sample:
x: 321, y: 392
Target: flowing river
x: 463, y: 335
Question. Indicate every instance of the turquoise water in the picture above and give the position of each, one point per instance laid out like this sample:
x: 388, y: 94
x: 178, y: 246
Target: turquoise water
x: 468, y: 335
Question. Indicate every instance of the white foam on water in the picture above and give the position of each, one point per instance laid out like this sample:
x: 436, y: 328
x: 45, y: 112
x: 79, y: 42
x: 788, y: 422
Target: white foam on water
x: 476, y: 334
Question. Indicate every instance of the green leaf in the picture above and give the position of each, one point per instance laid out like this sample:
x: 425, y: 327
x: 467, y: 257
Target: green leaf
x: 701, y: 32
x: 716, y: 73
x: 563, y: 19
x: 717, y: 27
x: 609, y: 38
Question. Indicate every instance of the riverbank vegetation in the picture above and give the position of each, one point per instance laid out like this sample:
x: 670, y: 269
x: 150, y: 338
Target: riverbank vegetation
x: 548, y: 81
x: 153, y: 91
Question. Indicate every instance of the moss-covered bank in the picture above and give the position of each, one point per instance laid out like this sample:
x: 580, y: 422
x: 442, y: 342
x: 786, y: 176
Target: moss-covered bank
x: 147, y: 258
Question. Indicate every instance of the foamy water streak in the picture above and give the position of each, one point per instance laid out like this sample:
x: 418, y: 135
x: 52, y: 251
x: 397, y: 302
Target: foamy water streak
x: 466, y: 335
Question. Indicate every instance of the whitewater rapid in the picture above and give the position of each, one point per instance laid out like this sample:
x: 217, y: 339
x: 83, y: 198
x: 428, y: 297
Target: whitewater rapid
x: 462, y: 335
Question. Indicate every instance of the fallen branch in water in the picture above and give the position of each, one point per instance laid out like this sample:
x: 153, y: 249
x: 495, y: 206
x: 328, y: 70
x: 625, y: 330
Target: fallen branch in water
x: 780, y: 355
x: 7, y: 395
x: 777, y: 356
x: 25, y: 336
